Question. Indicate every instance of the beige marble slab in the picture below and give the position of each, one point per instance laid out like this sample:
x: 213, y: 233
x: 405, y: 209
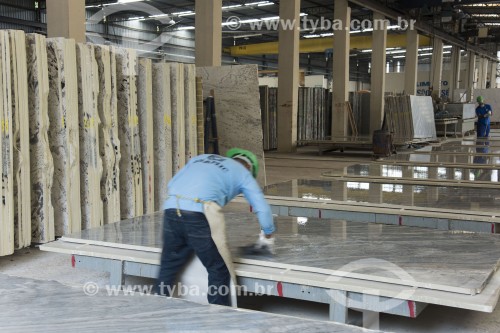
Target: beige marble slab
x: 178, y: 116
x: 190, y: 111
x: 237, y: 108
x: 6, y: 144
x: 41, y: 161
x: 20, y: 129
x: 109, y: 143
x: 145, y: 113
x: 162, y: 114
x: 64, y: 134
x: 89, y: 122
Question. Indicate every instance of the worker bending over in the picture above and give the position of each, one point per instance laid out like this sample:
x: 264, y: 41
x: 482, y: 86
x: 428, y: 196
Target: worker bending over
x: 193, y: 221
x: 483, y: 112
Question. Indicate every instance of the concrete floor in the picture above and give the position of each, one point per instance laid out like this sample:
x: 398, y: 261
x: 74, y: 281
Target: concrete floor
x: 33, y: 263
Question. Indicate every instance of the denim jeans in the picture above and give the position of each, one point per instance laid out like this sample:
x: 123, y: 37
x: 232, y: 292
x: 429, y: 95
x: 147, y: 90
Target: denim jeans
x: 183, y: 236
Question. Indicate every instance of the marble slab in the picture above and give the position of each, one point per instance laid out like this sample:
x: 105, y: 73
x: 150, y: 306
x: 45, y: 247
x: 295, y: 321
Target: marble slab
x: 237, y: 109
x: 450, y: 198
x: 64, y: 134
x: 131, y: 189
x: 145, y: 113
x: 41, y: 162
x: 439, y: 260
x: 479, y: 150
x: 109, y: 143
x: 459, y: 160
x: 200, y: 119
x: 89, y: 122
x: 162, y: 115
x: 439, y: 175
x: 178, y: 116
x: 422, y: 112
x: 31, y: 305
x: 6, y: 144
x: 20, y: 138
x: 190, y: 122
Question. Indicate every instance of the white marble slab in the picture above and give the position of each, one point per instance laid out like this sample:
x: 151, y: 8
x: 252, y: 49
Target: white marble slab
x: 432, y: 259
x: 41, y: 162
x: 178, y: 116
x: 422, y: 112
x: 131, y: 189
x: 109, y: 143
x: 64, y: 134
x: 32, y: 305
x: 237, y: 108
x: 89, y: 122
x: 190, y: 111
x: 162, y: 115
x: 6, y: 144
x: 20, y: 138
x: 145, y: 113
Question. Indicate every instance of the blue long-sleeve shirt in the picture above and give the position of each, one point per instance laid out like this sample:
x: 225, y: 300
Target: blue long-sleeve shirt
x: 481, y: 110
x: 217, y: 179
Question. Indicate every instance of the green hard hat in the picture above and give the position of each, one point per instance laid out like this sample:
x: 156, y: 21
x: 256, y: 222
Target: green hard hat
x: 480, y: 99
x: 247, y: 155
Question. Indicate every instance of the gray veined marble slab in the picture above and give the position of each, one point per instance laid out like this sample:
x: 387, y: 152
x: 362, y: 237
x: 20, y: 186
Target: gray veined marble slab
x: 162, y: 114
x: 131, y: 189
x: 6, y: 145
x: 64, y: 134
x: 89, y: 122
x: 109, y: 143
x: 460, y: 199
x: 439, y: 260
x: 45, y: 306
x: 145, y: 113
x: 237, y: 108
x: 41, y: 162
x: 20, y: 138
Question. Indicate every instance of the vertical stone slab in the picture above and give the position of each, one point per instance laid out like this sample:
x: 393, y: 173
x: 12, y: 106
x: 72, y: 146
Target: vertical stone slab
x: 64, y: 134
x: 109, y: 144
x: 41, y: 162
x: 190, y: 111
x: 6, y: 145
x: 88, y: 116
x: 239, y: 126
x: 162, y: 115
x: 200, y: 121
x: 20, y: 130
x: 145, y: 112
x: 131, y: 202
x: 178, y: 118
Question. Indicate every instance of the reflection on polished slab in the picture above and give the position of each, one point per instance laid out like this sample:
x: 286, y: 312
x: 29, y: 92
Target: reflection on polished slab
x: 461, y: 160
x: 417, y: 174
x: 478, y: 149
x: 440, y: 260
x: 45, y: 306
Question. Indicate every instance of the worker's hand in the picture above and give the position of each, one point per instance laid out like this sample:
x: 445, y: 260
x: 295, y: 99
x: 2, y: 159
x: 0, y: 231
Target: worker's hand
x: 265, y: 242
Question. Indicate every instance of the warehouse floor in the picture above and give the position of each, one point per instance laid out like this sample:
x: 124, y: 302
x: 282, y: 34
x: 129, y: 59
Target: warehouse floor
x: 32, y: 263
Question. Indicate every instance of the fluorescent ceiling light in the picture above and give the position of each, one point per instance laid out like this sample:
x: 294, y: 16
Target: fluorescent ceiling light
x: 259, y: 3
x: 396, y: 51
x: 400, y: 56
x: 185, y: 13
x: 366, y: 51
x: 327, y: 34
x: 128, y: 1
x: 158, y: 15
x: 425, y: 54
x: 425, y: 49
x: 232, y: 6
x: 312, y: 36
x: 270, y: 18
x: 265, y: 4
x: 189, y: 27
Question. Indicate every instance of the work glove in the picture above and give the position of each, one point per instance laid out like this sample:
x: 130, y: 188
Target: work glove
x: 264, y: 243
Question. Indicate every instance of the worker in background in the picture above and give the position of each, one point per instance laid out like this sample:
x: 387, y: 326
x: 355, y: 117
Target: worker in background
x: 193, y: 220
x: 483, y: 112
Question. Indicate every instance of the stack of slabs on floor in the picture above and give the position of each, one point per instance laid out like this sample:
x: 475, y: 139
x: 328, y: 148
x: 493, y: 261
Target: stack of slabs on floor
x: 41, y: 163
x: 190, y: 111
x: 6, y: 144
x: 20, y: 139
x: 162, y: 115
x: 131, y: 195
x: 64, y: 134
x: 90, y: 160
x: 178, y: 116
x: 109, y: 144
x: 239, y: 126
x: 145, y: 112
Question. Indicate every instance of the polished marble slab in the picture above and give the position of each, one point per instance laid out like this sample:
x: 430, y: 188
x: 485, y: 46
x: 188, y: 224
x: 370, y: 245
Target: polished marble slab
x: 108, y: 134
x: 64, y: 134
x: 30, y: 305
x: 461, y: 160
x: 479, y: 149
x: 237, y: 108
x: 439, y: 260
x: 418, y: 174
x: 145, y: 113
x: 459, y: 199
x: 41, y: 161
